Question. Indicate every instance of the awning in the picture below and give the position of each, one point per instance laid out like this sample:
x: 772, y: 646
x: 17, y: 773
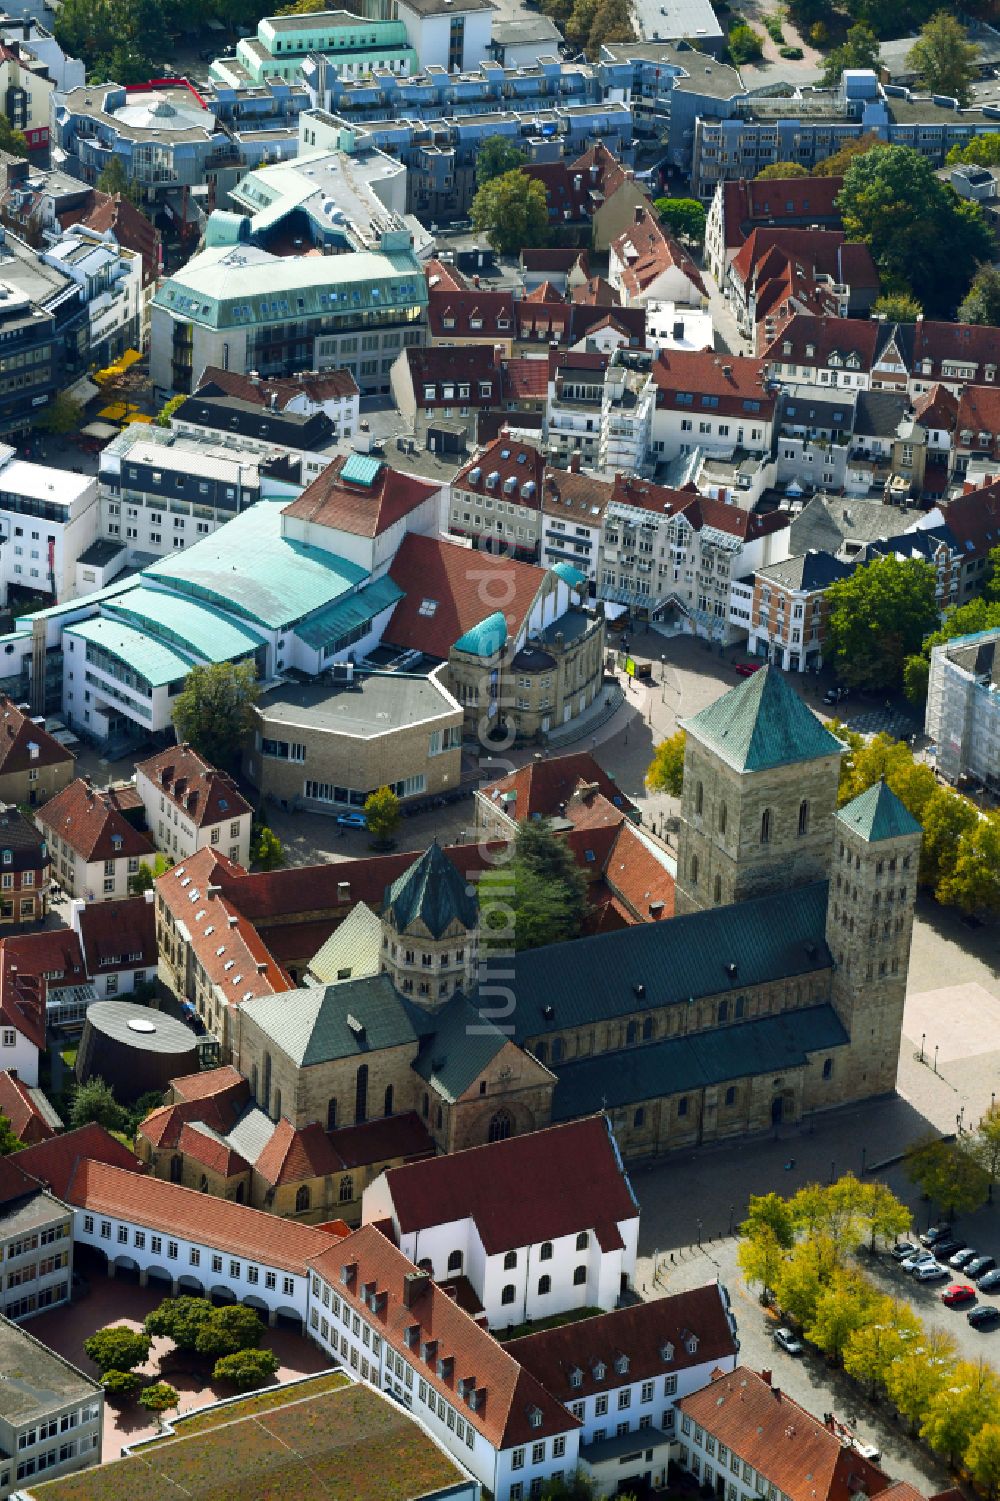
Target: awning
x: 83, y: 390
x: 613, y: 611
x: 102, y: 431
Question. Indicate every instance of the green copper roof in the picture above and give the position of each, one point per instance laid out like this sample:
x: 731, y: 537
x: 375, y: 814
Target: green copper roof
x: 878, y: 814
x: 486, y: 638
x: 184, y: 623
x: 461, y: 1044
x: 569, y: 574
x: 763, y: 723
x: 359, y: 469
x: 320, y: 1023
x: 346, y: 615
x: 152, y: 660
x: 432, y: 892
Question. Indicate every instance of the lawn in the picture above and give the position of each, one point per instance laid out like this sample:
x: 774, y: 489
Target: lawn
x: 534, y: 1325
x: 264, y: 1401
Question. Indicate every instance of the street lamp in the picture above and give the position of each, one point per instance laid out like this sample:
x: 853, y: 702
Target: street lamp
x: 663, y: 680
x: 923, y: 1036
x: 732, y: 1211
x: 699, y: 1235
x: 936, y: 1046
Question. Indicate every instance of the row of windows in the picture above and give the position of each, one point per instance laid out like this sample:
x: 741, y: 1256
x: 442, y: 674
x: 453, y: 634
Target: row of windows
x: 139, y: 1237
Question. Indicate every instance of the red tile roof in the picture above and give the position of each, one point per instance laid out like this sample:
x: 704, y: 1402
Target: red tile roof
x: 581, y: 496
x: 292, y: 1155
x: 475, y: 314
x: 203, y: 1146
x: 436, y: 371
x: 526, y: 378
x: 129, y: 226
x: 364, y: 510
x: 208, y: 1083
x: 825, y: 337
x: 541, y: 787
x: 597, y: 292
x: 439, y: 274
x: 818, y: 251
x: 19, y: 1103
x: 174, y: 1210
x: 977, y: 422
x: 790, y: 198
x: 735, y: 380
x: 18, y: 732
x: 638, y: 878
x: 54, y: 1162
x: 974, y: 519
x: 544, y: 292
x: 202, y: 793
x: 163, y: 1128
x: 84, y: 818
x: 381, y: 1140
x: 788, y: 1445
x: 461, y: 582
x: 506, y: 1394
x: 646, y: 250
x: 522, y: 1191
x: 937, y: 408
x: 515, y: 468
x: 118, y: 935
x: 653, y: 1336
x: 318, y: 387
x: 698, y: 510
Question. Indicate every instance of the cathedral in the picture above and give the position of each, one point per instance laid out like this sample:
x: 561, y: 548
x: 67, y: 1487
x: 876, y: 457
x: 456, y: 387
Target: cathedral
x: 775, y: 992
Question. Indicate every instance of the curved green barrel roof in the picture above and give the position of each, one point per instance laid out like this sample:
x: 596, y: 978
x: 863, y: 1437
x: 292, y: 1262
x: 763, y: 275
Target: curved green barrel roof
x: 486, y: 638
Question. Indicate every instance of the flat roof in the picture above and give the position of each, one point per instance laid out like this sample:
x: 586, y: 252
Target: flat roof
x: 39, y: 482
x: 29, y: 1213
x: 36, y: 1380
x: 367, y: 708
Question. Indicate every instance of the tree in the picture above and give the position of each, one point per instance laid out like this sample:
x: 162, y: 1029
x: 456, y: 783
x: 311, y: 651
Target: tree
x: 985, y: 1145
x: 121, y: 1384
x: 982, y: 1458
x: 115, y: 181
x: 770, y: 1211
x: 540, y: 896
x: 858, y: 50
x: 957, y: 1412
x: 745, y: 44
x: 246, y: 1369
x: 179, y: 1319
x: 158, y: 1398
x: 266, y: 849
x: 916, y: 676
x: 168, y: 409
x: 948, y: 1175
x: 841, y: 1308
x: 923, y: 238
x: 885, y: 1216
x: 148, y: 873
x: 496, y: 156
x: 382, y: 813
x: 761, y: 1257
x: 303, y: 8
x: 897, y: 307
x: 214, y: 710
x: 512, y: 212
x: 981, y: 303
x: 228, y: 1330
x: 779, y: 170
x: 612, y: 22
x: 946, y: 817
x: 946, y: 61
x: 665, y: 773
x: 94, y: 1101
x: 118, y: 1348
x: 59, y: 416
x: 801, y: 1279
x: 881, y: 1341
x: 879, y: 615
x: 991, y: 585
x: 980, y: 614
x: 981, y: 151
x: 684, y: 217
x: 974, y: 883
x: 913, y: 1383
x: 12, y: 140
x: 9, y: 1140
x: 837, y: 164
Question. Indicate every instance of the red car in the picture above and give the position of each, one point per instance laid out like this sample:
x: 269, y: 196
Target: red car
x: 747, y: 669
x: 959, y: 1292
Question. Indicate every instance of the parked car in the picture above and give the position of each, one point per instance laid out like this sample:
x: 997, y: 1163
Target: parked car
x: 962, y: 1258
x: 352, y: 820
x: 747, y: 669
x: 786, y: 1339
x: 943, y: 1249
x: 978, y: 1268
x: 936, y: 1233
x: 985, y: 1317
x: 958, y: 1293
x: 835, y: 695
x: 904, y: 1248
x: 919, y: 1258
x: 989, y: 1281
x: 930, y: 1271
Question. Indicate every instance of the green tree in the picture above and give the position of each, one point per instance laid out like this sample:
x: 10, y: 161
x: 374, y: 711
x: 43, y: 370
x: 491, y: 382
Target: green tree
x: 115, y: 181
x: 539, y: 897
x: 897, y: 307
x: 122, y: 1384
x: 858, y: 50
x: 922, y: 237
x: 303, y: 8
x: 246, y: 1369
x: 94, y: 1101
x: 879, y: 615
x: 266, y: 849
x: 512, y: 212
x: 916, y: 675
x: 985, y: 1145
x: 991, y: 586
x: 382, y: 813
x: 779, y: 170
x: 214, y: 710
x: 179, y: 1319
x: 168, y: 409
x: 886, y: 1336
x: 981, y: 303
x: 948, y: 1175
x: 9, y: 1141
x: 761, y: 1258
x: 801, y: 1279
x: 158, y: 1398
x: 982, y: 1458
x: 979, y: 614
x: 981, y: 151
x: 229, y: 1330
x: 496, y: 156
x: 665, y: 773
x: 946, y: 817
x: 59, y: 416
x: 611, y: 22
x: 974, y: 883
x: 957, y: 1412
x: 914, y: 1382
x: 770, y: 1211
x: 842, y: 1308
x: 684, y: 217
x: 837, y: 164
x: 118, y: 1348
x: 886, y: 1217
x: 11, y: 140
x: 745, y: 44
x: 945, y: 60
x: 148, y: 873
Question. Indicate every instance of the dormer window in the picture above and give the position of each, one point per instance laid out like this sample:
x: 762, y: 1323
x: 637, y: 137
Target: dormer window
x: 535, y: 1417
x: 691, y: 1343
x: 621, y: 1364
x: 8, y: 857
x: 599, y: 1370
x: 666, y: 1352
x: 576, y: 1377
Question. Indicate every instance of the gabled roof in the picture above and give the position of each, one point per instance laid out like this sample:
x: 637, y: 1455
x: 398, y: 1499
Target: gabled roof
x: 826, y: 337
x: 24, y: 744
x: 506, y: 469
x: 366, y: 510
x: 771, y: 201
x: 763, y: 723
x: 736, y: 382
x: 129, y: 226
x: 444, y: 597
x: 84, y: 818
x: 646, y: 250
x: 198, y: 1141
x: 324, y: 1022
x: 31, y: 1116
x: 540, y: 788
x: 457, y: 1046
x: 877, y: 814
x: 315, y: 386
x: 979, y: 414
x: 579, y: 495
x: 937, y: 408
x: 24, y: 846
x: 193, y: 785
x: 974, y: 519
x: 432, y: 894
x: 526, y: 379
x: 653, y: 1337
x: 292, y: 1155
x: 639, y: 876
x: 211, y: 1081
x: 474, y: 314
x: 54, y: 1162
x: 118, y: 935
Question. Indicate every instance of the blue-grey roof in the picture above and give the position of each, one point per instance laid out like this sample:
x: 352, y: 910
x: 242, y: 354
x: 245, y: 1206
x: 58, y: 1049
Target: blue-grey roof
x: 877, y: 813
x: 485, y: 638
x: 674, y: 1065
x: 323, y: 1022
x: 349, y: 614
x: 763, y: 723
x: 458, y: 1047
x: 185, y: 623
x: 669, y: 963
x: 432, y: 892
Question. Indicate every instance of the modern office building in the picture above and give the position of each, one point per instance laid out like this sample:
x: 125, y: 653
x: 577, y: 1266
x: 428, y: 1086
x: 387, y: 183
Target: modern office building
x: 350, y: 46
x: 50, y: 1415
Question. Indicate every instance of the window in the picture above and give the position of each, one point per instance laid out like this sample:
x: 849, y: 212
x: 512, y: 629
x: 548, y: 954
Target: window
x: 579, y: 1276
x: 803, y: 817
x: 638, y: 1118
x: 455, y: 1261
x: 765, y: 826
x: 346, y: 1189
x: 302, y: 1199
x: 583, y: 1240
x: 544, y: 1286
x: 361, y: 1095
x: 510, y: 1261
x: 699, y: 798
x: 501, y: 1126
x: 508, y: 1294
x: 545, y: 1253
x: 828, y: 1068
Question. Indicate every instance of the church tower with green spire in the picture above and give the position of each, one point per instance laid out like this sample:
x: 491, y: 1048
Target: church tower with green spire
x: 430, y: 930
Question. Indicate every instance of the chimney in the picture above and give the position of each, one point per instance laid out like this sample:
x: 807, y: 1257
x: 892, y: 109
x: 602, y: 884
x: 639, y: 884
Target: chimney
x: 343, y: 891
x: 765, y: 1376
x: 415, y: 1284
x: 575, y: 461
x: 213, y: 891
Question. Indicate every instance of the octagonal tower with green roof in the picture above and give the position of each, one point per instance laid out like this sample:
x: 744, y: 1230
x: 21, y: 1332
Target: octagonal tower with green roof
x: 760, y: 793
